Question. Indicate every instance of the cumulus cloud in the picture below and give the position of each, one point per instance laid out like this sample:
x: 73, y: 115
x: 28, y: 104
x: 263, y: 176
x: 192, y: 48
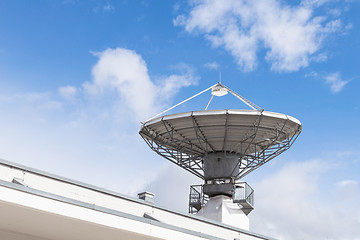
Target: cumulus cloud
x: 170, y: 85
x: 68, y: 92
x: 335, y: 82
x: 291, y: 35
x: 126, y: 72
x: 288, y: 205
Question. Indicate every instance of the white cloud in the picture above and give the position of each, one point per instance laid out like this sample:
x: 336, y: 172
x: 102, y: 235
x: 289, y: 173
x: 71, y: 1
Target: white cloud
x: 126, y: 72
x: 291, y: 35
x: 289, y: 206
x: 68, y: 92
x: 335, y: 81
x: 212, y: 65
x: 171, y: 187
x: 170, y: 85
x: 349, y: 192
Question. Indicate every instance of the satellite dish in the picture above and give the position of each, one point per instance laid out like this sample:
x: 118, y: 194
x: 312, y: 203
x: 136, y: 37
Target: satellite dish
x: 221, y: 146
x: 249, y: 137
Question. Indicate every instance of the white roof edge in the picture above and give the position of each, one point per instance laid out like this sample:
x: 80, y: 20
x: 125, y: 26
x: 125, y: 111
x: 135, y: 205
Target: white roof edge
x: 115, y: 194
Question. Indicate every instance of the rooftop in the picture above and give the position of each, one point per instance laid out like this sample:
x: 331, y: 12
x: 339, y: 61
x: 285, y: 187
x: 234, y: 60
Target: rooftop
x: 40, y: 205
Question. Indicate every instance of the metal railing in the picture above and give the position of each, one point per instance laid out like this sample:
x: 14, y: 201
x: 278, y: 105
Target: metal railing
x: 243, y: 194
x: 197, y: 198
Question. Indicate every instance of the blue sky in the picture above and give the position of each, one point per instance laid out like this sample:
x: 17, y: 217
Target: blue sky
x: 77, y: 77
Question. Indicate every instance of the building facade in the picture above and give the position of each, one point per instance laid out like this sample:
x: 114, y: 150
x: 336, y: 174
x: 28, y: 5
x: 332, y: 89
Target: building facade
x: 42, y: 206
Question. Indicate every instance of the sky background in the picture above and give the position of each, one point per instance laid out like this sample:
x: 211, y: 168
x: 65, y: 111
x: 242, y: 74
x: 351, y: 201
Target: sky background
x: 77, y: 77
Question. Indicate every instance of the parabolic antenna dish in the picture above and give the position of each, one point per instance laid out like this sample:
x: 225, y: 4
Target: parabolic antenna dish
x: 254, y: 137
